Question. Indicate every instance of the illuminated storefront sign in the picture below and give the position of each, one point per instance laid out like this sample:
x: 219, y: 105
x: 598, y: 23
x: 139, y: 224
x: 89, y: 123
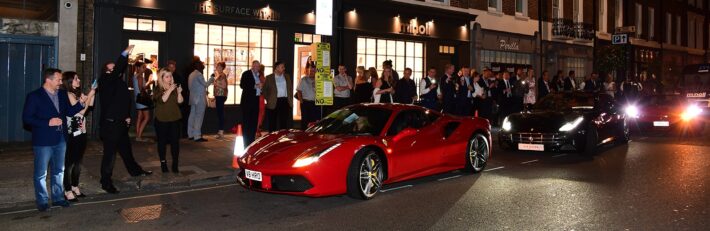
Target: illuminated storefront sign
x: 208, y: 7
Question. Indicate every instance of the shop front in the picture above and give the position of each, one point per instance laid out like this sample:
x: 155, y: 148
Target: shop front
x: 411, y: 36
x: 565, y: 57
x: 502, y: 51
x: 235, y: 33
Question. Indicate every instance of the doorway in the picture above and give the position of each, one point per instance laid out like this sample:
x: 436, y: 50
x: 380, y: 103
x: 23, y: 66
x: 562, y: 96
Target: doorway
x: 301, y: 55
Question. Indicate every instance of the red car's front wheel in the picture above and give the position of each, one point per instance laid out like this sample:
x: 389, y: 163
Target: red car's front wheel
x: 365, y: 175
x: 477, y: 153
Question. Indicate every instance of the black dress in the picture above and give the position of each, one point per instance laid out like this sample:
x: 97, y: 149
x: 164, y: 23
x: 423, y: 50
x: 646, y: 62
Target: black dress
x: 363, y: 92
x: 385, y: 97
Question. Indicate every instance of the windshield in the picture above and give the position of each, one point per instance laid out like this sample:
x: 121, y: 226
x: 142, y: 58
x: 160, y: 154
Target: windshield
x: 353, y: 120
x: 565, y: 101
x: 662, y: 100
x: 696, y: 83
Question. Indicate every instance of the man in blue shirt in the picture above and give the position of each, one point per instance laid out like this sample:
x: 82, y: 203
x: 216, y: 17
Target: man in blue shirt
x: 45, y: 112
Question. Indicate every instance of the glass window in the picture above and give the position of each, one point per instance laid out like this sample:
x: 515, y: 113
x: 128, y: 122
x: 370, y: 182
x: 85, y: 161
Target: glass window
x: 237, y: 47
x: 159, y: 26
x: 145, y: 24
x: 520, y: 7
x: 130, y: 23
x: 372, y: 52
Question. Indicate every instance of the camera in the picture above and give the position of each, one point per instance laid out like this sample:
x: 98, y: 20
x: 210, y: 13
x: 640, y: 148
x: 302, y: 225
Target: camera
x: 68, y: 5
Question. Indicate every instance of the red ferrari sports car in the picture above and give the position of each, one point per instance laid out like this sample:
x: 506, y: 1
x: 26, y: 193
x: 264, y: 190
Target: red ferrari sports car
x: 665, y: 112
x: 359, y: 148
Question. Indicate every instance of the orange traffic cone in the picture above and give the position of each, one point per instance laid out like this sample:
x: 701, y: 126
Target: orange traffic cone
x: 238, y: 147
x: 476, y: 115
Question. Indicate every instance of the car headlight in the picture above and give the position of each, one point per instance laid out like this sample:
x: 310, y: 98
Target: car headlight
x: 632, y: 111
x: 691, y: 112
x: 308, y: 160
x: 506, y: 125
x: 571, y: 125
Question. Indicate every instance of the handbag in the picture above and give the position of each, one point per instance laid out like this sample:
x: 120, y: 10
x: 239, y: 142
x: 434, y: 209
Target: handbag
x: 211, y: 102
x: 144, y: 98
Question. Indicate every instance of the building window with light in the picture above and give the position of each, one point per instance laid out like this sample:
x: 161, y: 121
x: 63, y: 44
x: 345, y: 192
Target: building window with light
x: 237, y: 47
x: 639, y: 20
x: 144, y: 24
x: 371, y: 52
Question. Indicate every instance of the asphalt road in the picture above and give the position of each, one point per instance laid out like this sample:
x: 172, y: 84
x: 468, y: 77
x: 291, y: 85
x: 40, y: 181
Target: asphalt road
x: 653, y: 183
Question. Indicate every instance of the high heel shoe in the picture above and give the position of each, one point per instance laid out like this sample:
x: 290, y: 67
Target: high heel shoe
x: 69, y: 196
x: 77, y: 192
x: 163, y: 166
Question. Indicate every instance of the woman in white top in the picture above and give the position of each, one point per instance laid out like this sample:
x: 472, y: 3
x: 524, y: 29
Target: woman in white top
x: 609, y: 85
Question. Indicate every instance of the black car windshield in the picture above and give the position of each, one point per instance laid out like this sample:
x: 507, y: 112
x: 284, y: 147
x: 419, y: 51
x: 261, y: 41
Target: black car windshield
x: 565, y: 101
x: 353, y: 120
x: 662, y: 100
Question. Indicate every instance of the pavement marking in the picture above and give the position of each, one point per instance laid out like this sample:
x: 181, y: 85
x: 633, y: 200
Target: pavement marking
x: 560, y: 155
x: 449, y: 178
x: 493, y: 169
x: 128, y: 198
x: 395, y: 188
x: 527, y: 162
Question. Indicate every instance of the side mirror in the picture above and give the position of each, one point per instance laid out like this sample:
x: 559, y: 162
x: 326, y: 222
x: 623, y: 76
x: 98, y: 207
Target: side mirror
x: 404, y: 134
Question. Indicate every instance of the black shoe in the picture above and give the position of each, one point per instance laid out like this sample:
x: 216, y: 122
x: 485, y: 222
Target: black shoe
x: 76, y: 199
x: 175, y: 169
x: 109, y: 189
x: 63, y: 203
x: 163, y: 166
x: 144, y: 173
x: 43, y: 207
x: 201, y: 140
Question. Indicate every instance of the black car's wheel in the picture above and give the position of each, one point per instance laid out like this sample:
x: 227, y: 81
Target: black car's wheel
x: 591, y: 141
x: 477, y: 153
x: 365, y: 175
x: 624, y: 135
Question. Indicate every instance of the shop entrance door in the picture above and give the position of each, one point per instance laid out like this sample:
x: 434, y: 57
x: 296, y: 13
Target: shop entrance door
x: 302, y: 53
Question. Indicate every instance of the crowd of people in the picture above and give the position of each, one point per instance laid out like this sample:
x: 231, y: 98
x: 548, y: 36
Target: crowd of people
x: 55, y: 112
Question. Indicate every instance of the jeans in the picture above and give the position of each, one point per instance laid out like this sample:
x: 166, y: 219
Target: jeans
x: 220, y: 110
x: 194, y: 122
x: 51, y: 157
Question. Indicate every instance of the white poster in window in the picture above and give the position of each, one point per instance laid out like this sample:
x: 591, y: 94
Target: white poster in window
x: 327, y: 89
x: 324, y: 17
x: 326, y: 58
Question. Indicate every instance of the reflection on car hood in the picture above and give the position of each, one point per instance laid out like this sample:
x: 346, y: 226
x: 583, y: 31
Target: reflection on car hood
x: 291, y: 146
x: 541, y: 121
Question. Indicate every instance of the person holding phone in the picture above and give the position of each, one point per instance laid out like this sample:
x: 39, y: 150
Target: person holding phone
x: 167, y: 97
x: 76, y: 133
x: 115, y: 120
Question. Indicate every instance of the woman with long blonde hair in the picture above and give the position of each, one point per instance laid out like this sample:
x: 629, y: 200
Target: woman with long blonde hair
x: 167, y: 97
x: 383, y: 88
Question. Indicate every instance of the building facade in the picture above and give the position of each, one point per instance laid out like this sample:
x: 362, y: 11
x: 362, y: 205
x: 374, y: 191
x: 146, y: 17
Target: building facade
x: 667, y: 35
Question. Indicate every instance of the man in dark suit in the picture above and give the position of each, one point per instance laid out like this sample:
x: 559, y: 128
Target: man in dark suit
x: 278, y: 89
x: 570, y: 84
x: 506, y: 101
x: 543, y: 86
x: 486, y: 106
x: 251, y: 90
x: 45, y: 112
x: 464, y: 90
x: 592, y: 84
x: 448, y: 90
x: 115, y: 119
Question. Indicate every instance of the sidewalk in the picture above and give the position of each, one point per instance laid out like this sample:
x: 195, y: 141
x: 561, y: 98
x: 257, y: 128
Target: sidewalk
x: 200, y: 163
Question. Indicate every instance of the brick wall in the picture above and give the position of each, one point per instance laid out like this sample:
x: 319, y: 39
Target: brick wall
x: 85, y: 44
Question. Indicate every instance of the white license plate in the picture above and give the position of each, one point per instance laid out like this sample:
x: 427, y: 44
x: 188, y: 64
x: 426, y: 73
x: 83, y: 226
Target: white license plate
x: 252, y: 175
x: 532, y: 147
x: 661, y: 123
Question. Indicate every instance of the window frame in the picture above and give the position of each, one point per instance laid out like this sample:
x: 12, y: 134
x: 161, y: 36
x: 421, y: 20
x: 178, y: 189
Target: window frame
x: 524, y: 10
x: 498, y: 8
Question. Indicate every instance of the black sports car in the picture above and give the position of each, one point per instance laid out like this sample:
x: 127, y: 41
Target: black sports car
x: 566, y: 121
